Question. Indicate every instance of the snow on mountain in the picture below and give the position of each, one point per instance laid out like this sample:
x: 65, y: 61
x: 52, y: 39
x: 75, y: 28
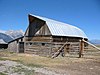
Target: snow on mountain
x: 2, y: 41
x: 6, y: 36
x: 15, y: 33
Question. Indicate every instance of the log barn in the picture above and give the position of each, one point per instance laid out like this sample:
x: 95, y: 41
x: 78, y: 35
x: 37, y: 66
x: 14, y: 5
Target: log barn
x: 45, y: 36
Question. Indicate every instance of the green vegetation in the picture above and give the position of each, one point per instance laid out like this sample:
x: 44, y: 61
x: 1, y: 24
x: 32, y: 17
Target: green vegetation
x: 11, y: 52
x: 20, y: 69
x: 33, y: 65
x: 1, y: 73
x: 1, y: 58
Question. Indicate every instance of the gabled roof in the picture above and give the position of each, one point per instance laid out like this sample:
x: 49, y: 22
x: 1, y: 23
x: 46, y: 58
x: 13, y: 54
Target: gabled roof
x: 16, y: 39
x: 62, y: 29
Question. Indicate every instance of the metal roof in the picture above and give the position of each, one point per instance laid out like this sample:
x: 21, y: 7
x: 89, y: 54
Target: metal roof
x: 62, y: 29
x: 2, y: 41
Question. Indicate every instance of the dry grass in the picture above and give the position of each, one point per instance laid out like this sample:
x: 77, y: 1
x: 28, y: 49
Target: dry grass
x: 70, y: 62
x: 38, y: 61
x: 73, y: 65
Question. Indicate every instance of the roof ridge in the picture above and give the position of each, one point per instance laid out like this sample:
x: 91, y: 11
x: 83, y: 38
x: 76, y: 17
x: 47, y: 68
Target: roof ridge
x: 62, y: 29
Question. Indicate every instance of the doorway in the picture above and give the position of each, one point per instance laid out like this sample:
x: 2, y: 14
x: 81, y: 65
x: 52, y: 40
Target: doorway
x: 21, y: 47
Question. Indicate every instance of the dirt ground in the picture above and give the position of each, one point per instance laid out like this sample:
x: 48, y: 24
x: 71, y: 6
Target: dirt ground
x: 29, y: 64
x: 8, y: 67
x: 80, y: 68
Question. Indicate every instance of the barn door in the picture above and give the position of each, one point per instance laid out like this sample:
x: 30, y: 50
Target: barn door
x: 21, y: 47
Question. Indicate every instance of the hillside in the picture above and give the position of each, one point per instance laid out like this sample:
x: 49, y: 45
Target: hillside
x: 7, y: 36
x: 95, y: 41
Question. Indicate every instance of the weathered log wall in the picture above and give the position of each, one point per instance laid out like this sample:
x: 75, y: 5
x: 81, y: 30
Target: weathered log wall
x: 13, y: 46
x: 39, y: 48
x: 39, y: 39
x: 48, y: 49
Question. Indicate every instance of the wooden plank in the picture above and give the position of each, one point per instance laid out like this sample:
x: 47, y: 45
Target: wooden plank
x: 59, y: 51
x: 81, y: 48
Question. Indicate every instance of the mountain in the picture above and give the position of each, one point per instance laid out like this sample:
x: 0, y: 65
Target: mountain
x: 15, y: 34
x: 6, y: 36
x: 2, y: 41
x: 95, y: 41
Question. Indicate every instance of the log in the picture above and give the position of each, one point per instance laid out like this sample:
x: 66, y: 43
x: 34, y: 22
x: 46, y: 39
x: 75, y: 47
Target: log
x: 81, y: 48
x: 60, y: 50
x: 92, y: 45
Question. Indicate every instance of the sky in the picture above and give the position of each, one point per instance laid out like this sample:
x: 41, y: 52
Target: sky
x: 85, y: 14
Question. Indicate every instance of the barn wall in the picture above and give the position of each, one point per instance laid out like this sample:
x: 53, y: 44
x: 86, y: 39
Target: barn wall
x: 45, y: 45
x: 64, y: 39
x: 35, y: 26
x: 39, y: 38
x: 39, y: 48
x: 49, y: 48
x: 13, y: 46
x: 47, y: 31
x: 71, y: 47
x: 48, y: 45
x: 40, y: 45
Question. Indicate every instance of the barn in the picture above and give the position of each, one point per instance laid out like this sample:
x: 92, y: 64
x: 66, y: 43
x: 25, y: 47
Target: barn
x: 3, y: 44
x: 45, y: 36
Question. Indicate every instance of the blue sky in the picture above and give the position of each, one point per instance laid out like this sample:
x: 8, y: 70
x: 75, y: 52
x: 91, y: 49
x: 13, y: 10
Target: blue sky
x: 84, y: 14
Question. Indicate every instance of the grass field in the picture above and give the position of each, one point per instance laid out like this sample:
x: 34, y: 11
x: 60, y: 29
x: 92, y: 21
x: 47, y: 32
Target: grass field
x: 89, y: 64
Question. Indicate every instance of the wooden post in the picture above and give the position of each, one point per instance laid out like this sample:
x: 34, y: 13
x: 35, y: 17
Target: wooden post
x: 60, y: 50
x: 81, y: 48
